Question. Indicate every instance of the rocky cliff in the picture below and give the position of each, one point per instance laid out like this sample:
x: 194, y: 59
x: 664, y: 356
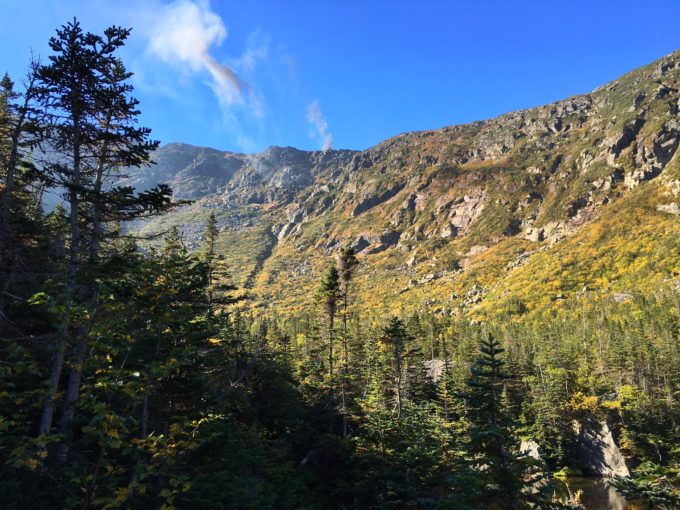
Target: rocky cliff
x: 512, y: 214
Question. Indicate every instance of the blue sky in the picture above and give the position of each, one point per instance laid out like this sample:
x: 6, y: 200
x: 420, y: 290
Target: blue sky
x: 244, y: 75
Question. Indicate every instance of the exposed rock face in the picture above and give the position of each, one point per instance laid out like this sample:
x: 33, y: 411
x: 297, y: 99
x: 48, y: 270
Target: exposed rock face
x: 466, y: 210
x: 477, y: 249
x: 598, y: 453
x: 530, y: 448
x: 373, y: 200
x: 552, y: 231
x: 434, y: 368
x: 672, y: 208
x: 199, y: 172
x: 192, y: 172
x: 665, y: 143
x: 623, y: 139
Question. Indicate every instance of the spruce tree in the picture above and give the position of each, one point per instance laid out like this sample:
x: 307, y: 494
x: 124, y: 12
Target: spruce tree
x: 209, y: 238
x: 18, y: 134
x: 328, y: 295
x: 492, y: 447
x: 220, y: 290
x: 347, y: 264
x: 92, y: 136
x: 504, y: 477
x: 396, y: 338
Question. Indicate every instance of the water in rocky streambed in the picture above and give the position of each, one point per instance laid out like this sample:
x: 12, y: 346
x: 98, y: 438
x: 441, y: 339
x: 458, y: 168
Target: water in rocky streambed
x: 596, y: 494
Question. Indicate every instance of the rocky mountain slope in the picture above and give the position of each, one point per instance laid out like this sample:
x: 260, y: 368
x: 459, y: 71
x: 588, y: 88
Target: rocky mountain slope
x: 523, y: 212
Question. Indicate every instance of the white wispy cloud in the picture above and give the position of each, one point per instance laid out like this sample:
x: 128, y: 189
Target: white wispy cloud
x: 181, y: 51
x: 316, y: 118
x: 183, y: 33
x: 185, y: 36
x: 257, y: 51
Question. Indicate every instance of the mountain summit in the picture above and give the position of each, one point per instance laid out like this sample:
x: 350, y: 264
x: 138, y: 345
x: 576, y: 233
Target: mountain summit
x: 517, y: 213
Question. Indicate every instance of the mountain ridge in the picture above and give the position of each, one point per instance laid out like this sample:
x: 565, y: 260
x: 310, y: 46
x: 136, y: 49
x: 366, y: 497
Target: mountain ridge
x: 442, y: 217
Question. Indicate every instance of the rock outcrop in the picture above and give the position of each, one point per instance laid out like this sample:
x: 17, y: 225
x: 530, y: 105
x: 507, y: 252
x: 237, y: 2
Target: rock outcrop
x: 530, y: 448
x: 372, y: 200
x: 672, y: 208
x: 597, y: 451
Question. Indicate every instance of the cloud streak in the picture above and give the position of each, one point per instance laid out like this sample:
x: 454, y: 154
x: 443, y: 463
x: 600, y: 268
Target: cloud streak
x: 183, y: 34
x: 183, y: 39
x: 256, y: 51
x: 316, y: 118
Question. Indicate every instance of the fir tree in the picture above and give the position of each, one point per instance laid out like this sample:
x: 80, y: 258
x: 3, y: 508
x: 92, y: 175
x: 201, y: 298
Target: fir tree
x: 347, y: 264
x: 505, y: 478
x: 85, y: 92
x: 328, y: 294
x: 19, y: 134
x: 220, y: 291
x: 396, y: 338
x: 209, y: 238
x: 492, y: 447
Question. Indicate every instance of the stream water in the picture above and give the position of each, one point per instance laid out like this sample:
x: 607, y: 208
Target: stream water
x: 596, y: 494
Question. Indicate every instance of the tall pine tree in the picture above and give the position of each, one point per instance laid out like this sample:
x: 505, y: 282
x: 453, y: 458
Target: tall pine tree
x: 328, y: 295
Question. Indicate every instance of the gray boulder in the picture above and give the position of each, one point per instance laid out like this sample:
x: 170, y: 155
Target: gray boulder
x: 597, y: 451
x: 530, y: 448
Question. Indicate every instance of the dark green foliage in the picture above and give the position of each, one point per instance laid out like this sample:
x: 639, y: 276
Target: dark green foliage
x: 658, y: 493
x: 395, y: 338
x: 347, y: 264
x: 329, y: 290
x: 210, y: 238
x: 21, y: 184
x: 328, y: 295
x: 492, y: 447
x: 220, y: 291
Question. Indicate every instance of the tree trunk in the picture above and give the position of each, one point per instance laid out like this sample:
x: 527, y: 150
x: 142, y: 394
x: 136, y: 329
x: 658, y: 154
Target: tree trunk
x: 79, y: 353
x: 445, y: 378
x: 74, y: 203
x: 345, y: 364
x: 97, y: 213
x: 56, y: 369
x: 53, y: 383
x: 72, y: 392
x: 397, y: 355
x: 144, y: 421
x: 95, y: 240
x: 331, y: 323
